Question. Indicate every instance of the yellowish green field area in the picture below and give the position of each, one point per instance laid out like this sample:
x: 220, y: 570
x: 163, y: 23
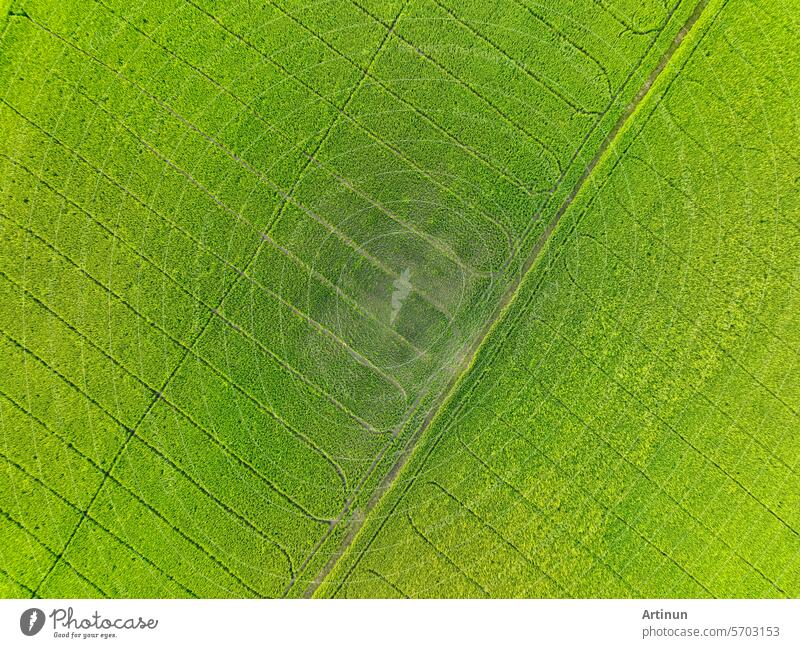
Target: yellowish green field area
x: 376, y: 298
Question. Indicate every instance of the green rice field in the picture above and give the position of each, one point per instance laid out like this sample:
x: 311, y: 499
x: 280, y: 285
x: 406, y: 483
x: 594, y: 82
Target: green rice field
x: 400, y: 298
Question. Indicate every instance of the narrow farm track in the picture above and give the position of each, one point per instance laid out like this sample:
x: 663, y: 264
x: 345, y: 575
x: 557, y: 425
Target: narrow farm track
x: 466, y: 361
x: 397, y: 466
x: 581, y: 315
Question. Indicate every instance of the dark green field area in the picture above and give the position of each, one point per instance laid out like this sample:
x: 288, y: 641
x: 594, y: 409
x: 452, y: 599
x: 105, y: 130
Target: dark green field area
x: 414, y: 297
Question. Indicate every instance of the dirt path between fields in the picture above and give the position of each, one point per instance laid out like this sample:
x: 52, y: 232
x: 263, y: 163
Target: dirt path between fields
x: 465, y: 360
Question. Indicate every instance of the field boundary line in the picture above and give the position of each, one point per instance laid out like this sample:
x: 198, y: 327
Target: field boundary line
x: 20, y: 583
x: 465, y: 23
x: 271, y: 185
x: 503, y: 227
x: 448, y: 559
x: 487, y: 525
x: 503, y: 306
x: 669, y: 428
x: 133, y: 434
x: 507, y: 175
x: 207, y: 552
x: 390, y: 584
x: 588, y: 495
x: 11, y: 520
x: 604, y: 5
x: 84, y: 516
x: 547, y: 150
x: 310, y: 157
x: 227, y: 380
x: 569, y: 40
x: 596, y: 558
